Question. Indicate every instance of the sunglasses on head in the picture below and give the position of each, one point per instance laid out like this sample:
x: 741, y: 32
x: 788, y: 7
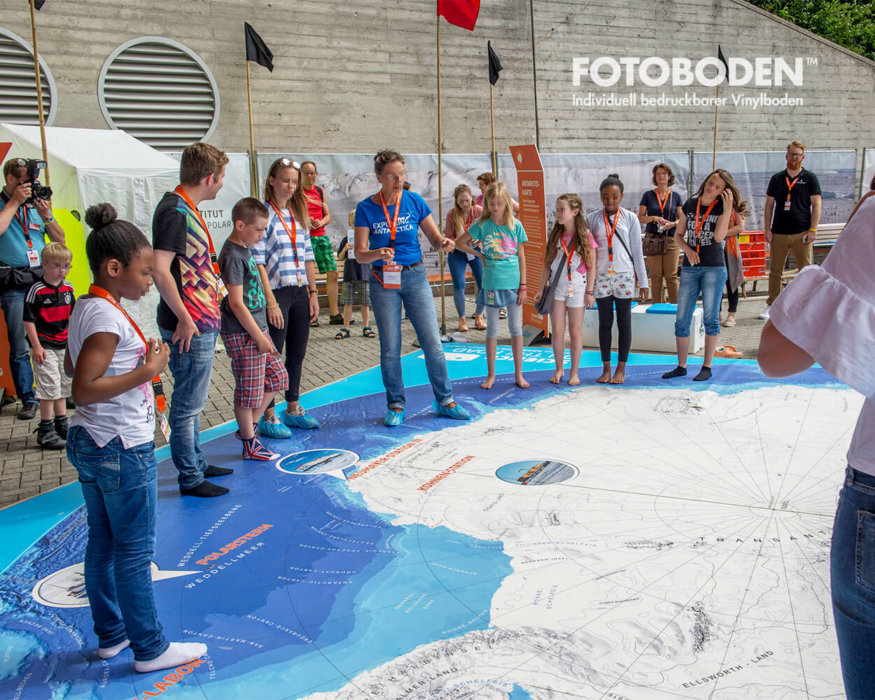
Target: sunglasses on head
x: 286, y: 163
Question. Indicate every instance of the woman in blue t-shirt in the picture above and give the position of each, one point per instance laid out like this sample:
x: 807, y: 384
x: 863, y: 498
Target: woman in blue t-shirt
x: 702, y: 226
x: 386, y: 236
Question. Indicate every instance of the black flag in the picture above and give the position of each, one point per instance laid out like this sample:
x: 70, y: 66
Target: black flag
x: 256, y: 49
x: 494, y: 64
x: 722, y: 59
x: 38, y: 4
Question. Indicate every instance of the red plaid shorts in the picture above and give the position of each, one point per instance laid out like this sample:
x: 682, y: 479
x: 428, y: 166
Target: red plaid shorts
x: 254, y: 374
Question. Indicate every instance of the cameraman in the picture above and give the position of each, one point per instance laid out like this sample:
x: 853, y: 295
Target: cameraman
x: 23, y: 228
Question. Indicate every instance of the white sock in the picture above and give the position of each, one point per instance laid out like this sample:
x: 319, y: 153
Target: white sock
x: 109, y: 652
x: 177, y: 654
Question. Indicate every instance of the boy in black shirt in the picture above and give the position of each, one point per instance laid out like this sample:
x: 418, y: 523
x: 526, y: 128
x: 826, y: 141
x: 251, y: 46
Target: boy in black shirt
x: 258, y: 372
x: 793, y: 195
x: 47, y: 308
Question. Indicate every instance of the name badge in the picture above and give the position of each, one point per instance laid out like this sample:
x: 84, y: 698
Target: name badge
x: 165, y: 426
x: 611, y: 270
x: 787, y: 205
x: 34, y: 226
x: 33, y: 258
x: 221, y: 288
x: 391, y: 275
x: 570, y: 290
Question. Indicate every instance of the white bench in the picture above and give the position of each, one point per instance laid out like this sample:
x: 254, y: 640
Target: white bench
x: 652, y: 328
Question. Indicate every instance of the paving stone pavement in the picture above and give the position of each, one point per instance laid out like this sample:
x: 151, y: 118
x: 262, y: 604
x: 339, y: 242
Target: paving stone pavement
x: 27, y: 470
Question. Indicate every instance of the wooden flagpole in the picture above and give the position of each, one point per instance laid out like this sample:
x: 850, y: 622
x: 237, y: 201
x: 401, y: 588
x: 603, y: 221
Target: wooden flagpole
x: 440, y: 221
x: 492, y: 121
x: 714, y: 147
x: 253, y: 170
x: 39, y: 90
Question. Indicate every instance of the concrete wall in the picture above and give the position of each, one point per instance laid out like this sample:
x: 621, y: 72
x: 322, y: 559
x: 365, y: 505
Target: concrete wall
x: 355, y: 76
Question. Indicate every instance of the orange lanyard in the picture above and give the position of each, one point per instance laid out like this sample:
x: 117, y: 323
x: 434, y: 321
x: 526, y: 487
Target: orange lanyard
x: 569, y: 251
x: 157, y: 386
x: 791, y: 185
x: 293, y: 232
x: 393, y: 221
x: 701, y: 221
x: 662, y: 203
x: 23, y: 221
x: 470, y: 220
x: 213, y: 258
x: 610, y: 230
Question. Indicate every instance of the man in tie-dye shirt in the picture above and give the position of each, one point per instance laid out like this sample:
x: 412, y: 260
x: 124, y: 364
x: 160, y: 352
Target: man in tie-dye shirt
x: 188, y: 314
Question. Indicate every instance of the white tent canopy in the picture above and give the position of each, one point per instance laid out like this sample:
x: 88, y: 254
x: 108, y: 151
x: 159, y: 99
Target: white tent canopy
x: 91, y: 166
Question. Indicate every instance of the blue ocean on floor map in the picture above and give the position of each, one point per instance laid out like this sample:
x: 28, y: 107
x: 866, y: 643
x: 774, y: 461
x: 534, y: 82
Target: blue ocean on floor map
x: 293, y: 582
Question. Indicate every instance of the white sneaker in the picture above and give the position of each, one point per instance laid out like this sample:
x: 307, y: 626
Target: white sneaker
x: 764, y: 316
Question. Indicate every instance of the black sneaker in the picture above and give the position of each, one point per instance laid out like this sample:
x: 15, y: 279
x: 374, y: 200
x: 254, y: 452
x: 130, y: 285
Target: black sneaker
x: 336, y: 320
x: 61, y: 426
x: 47, y: 438
x: 28, y: 410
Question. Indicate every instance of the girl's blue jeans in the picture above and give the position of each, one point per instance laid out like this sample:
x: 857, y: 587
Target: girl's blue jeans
x: 120, y: 487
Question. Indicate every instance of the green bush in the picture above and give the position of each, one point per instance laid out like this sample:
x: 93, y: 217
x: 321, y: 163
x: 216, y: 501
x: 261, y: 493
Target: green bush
x: 849, y: 23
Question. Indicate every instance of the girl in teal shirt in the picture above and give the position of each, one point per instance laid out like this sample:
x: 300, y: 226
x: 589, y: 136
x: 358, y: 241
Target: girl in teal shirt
x: 504, y: 274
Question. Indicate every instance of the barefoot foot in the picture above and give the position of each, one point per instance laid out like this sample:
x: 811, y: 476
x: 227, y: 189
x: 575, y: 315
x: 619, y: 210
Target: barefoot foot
x: 619, y: 377
x: 557, y: 376
x: 521, y: 382
x: 488, y: 383
x: 605, y: 376
x: 573, y: 380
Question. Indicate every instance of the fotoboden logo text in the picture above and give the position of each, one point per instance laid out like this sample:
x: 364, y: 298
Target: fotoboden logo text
x: 653, y: 71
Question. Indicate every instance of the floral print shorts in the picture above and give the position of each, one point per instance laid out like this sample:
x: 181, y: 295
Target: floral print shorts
x: 621, y: 285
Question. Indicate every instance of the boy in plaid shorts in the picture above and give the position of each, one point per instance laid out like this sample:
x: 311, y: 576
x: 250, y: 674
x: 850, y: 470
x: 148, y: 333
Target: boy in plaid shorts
x: 46, y: 316
x: 258, y: 371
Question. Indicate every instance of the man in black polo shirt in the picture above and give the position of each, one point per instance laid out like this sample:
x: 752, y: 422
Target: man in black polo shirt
x: 793, y: 196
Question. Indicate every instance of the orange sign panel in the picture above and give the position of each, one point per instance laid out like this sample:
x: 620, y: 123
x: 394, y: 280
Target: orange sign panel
x: 533, y: 216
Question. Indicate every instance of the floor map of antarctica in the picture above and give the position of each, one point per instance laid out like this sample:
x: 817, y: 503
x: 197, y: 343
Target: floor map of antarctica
x: 661, y: 539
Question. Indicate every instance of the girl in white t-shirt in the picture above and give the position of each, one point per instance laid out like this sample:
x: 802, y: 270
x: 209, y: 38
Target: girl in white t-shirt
x: 621, y: 270
x: 570, y: 236
x: 110, y: 443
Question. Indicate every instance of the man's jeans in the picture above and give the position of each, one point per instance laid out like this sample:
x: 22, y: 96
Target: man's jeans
x: 12, y: 303
x: 191, y: 383
x: 418, y: 301
x: 120, y: 487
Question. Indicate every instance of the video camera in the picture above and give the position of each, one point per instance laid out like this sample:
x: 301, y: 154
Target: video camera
x: 37, y: 189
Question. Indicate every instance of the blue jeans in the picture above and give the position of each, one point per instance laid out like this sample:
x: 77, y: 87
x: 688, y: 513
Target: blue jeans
x: 191, y: 383
x: 458, y: 262
x: 708, y: 280
x: 120, y: 487
x: 418, y: 301
x: 852, y: 579
x: 12, y: 302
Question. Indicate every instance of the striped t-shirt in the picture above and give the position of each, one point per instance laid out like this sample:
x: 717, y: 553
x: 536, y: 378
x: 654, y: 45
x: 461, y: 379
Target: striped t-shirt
x: 275, y: 251
x: 48, y: 308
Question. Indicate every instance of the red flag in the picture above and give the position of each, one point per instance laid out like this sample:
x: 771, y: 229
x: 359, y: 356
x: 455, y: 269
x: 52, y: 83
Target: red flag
x: 462, y: 13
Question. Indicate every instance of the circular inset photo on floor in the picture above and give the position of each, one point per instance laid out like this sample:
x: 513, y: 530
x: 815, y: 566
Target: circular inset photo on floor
x: 536, y: 472
x: 317, y: 461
